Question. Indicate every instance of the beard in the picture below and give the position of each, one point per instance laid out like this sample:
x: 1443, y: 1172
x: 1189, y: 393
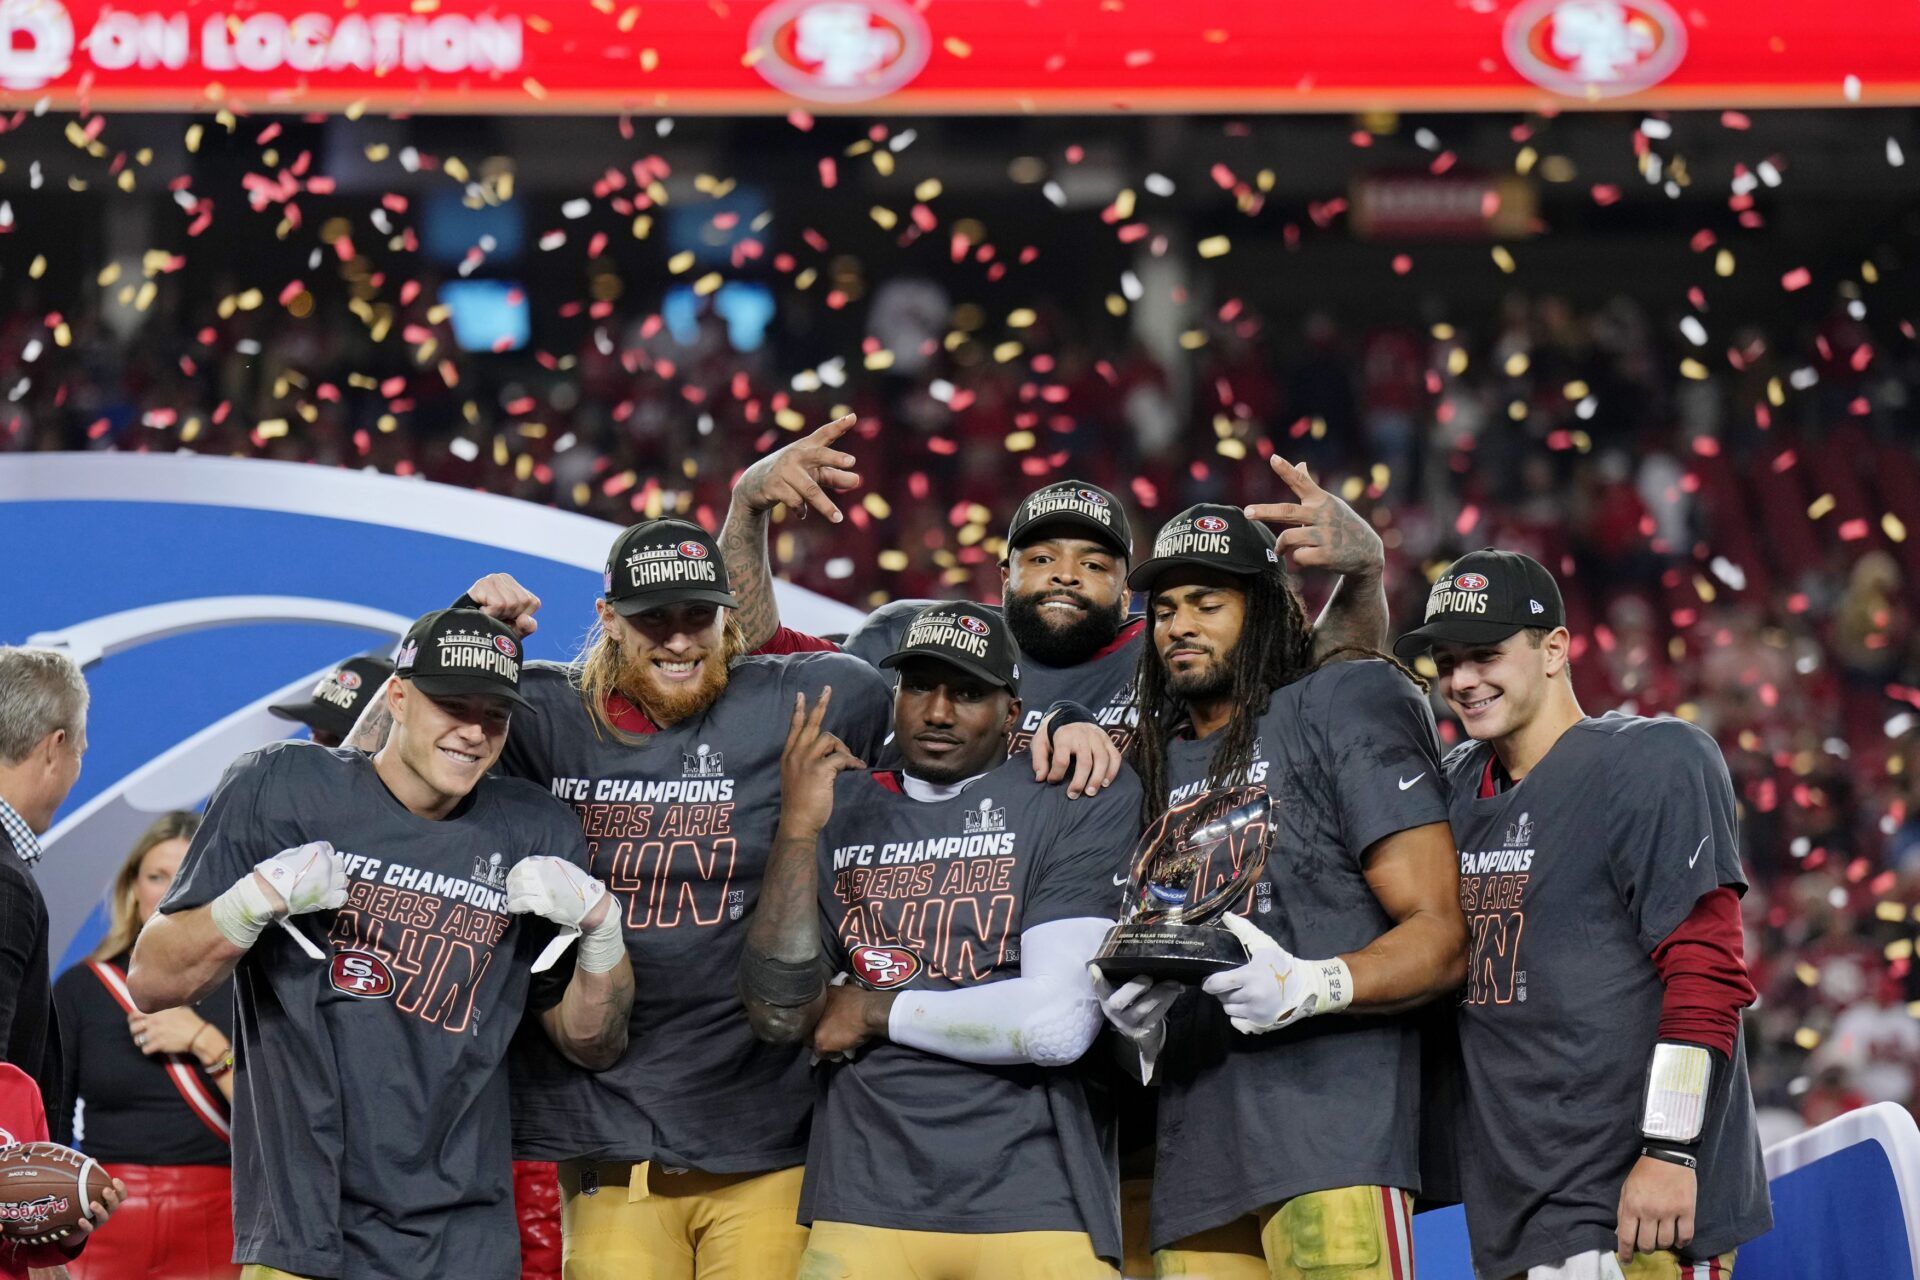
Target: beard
x: 1062, y: 646
x: 637, y: 685
x: 1209, y: 684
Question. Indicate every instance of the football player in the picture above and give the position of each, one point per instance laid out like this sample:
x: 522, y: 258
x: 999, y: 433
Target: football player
x: 1600, y: 872
x: 1288, y: 1126
x: 962, y: 899
x: 370, y: 1126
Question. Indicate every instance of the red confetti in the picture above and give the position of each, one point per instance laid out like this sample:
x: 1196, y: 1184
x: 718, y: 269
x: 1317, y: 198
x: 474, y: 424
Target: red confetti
x: 1796, y: 279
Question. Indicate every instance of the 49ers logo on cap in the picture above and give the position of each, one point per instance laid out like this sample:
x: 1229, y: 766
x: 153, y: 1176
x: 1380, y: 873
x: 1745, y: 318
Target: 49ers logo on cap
x: 361, y: 973
x: 970, y: 623
x: 348, y: 680
x: 1210, y: 524
x: 1470, y: 582
x: 883, y: 968
x: 1595, y: 48
x: 693, y: 550
x: 506, y: 646
x: 839, y: 50
x: 1089, y: 496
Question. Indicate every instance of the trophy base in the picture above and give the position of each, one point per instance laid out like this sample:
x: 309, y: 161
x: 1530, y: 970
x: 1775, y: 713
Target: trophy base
x: 1187, y: 953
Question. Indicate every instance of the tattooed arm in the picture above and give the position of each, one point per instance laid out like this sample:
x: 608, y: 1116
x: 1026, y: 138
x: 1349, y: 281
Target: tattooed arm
x: 1322, y: 532
x: 589, y: 1025
x: 783, y: 970
x: 799, y: 475
x: 370, y: 730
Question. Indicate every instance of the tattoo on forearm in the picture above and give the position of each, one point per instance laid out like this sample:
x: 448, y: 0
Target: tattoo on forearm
x: 743, y: 548
x: 1355, y: 617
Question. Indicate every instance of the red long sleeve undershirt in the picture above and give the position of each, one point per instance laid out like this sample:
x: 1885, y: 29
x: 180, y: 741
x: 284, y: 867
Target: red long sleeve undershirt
x: 1703, y: 966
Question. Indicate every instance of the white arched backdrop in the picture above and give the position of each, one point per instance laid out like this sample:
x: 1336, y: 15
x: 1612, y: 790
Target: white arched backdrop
x: 197, y: 591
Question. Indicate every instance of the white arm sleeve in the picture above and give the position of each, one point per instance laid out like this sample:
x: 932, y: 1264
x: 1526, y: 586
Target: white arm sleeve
x: 1047, y: 1016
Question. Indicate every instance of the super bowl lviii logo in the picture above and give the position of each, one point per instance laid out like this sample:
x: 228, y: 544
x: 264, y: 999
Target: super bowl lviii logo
x: 1595, y: 48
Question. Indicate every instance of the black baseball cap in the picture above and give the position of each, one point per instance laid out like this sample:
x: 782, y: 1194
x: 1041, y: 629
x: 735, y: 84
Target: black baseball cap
x: 1209, y: 535
x: 336, y: 702
x: 1484, y: 597
x: 661, y: 562
x: 1072, y: 505
x: 971, y: 637
x: 452, y: 652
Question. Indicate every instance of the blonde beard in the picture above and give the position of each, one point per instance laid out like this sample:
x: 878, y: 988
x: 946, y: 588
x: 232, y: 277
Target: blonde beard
x: 664, y: 709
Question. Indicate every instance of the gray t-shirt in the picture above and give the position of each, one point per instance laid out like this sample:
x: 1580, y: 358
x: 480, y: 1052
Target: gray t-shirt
x: 370, y: 1127
x: 1350, y: 756
x: 679, y: 824
x: 1103, y: 684
x: 1570, y: 879
x: 933, y: 896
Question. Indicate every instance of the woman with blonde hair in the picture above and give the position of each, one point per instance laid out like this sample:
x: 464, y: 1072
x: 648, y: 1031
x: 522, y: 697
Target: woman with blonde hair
x: 150, y: 1092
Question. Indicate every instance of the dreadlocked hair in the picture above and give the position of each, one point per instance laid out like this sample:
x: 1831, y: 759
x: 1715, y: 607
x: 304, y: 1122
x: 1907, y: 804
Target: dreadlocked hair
x: 595, y: 672
x: 1274, y: 650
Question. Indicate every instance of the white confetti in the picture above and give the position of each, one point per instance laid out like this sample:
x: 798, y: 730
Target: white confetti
x: 578, y: 208
x: 1159, y: 183
x: 1656, y: 128
x: 463, y: 448
x: 1801, y: 379
x: 1768, y: 174
x: 1426, y: 139
x: 1695, y: 331
x: 1130, y: 286
x: 1895, y: 156
x: 1055, y: 196
x: 1851, y: 87
x: 902, y: 140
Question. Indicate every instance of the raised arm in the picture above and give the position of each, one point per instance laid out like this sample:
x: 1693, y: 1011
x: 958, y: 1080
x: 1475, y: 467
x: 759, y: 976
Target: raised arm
x: 589, y: 1023
x: 180, y: 956
x: 1323, y: 532
x: 799, y: 475
x: 783, y: 972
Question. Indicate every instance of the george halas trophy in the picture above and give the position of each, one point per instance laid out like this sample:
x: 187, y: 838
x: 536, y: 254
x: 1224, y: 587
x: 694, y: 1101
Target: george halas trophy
x: 1193, y: 863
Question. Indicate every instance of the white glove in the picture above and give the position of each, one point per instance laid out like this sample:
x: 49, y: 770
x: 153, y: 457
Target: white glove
x: 562, y: 892
x: 310, y: 878
x: 1273, y: 989
x: 1137, y: 1009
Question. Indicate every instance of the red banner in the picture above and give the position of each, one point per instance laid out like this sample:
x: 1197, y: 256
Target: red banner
x: 901, y: 56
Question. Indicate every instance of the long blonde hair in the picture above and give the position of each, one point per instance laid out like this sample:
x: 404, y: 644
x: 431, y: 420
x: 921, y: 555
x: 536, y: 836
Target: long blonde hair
x: 124, y: 924
x: 596, y: 669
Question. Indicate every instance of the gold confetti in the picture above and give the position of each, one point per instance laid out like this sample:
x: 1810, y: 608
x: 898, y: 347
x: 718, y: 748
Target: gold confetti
x: 1021, y: 318
x: 1691, y: 368
x: 885, y: 217
x: 957, y: 47
x: 679, y: 262
x: 1821, y: 506
x: 1503, y: 259
x: 1893, y: 527
x: 1723, y: 263
x: 1214, y: 247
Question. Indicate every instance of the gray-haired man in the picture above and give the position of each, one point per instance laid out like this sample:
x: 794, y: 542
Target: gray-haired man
x: 43, y: 734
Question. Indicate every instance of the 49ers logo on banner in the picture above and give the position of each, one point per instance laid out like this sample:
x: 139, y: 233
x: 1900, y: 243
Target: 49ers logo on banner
x: 883, y: 968
x: 839, y: 50
x: 361, y: 973
x: 1595, y: 48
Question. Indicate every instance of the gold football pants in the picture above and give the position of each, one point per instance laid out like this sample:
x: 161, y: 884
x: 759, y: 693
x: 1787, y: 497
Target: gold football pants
x: 1344, y: 1233
x: 639, y: 1222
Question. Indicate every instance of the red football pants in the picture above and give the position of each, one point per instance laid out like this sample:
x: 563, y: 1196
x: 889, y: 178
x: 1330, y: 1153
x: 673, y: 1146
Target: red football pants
x: 536, y: 1196
x: 175, y: 1224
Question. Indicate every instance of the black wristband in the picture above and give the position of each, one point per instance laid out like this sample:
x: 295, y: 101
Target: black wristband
x: 781, y: 983
x: 1063, y: 713
x: 1671, y: 1154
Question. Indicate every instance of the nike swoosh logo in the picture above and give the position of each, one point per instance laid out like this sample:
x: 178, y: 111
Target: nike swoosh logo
x: 1120, y: 882
x: 1696, y: 853
x: 1407, y: 782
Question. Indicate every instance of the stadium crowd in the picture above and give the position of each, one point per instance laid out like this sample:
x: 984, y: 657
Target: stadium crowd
x: 1735, y: 534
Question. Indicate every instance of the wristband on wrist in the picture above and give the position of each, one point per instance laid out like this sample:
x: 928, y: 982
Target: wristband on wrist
x: 1339, y: 983
x: 1674, y: 1106
x: 242, y: 913
x: 220, y: 1068
x: 1670, y: 1155
x: 603, y: 947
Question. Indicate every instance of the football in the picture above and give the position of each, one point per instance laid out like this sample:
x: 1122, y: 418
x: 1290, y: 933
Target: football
x: 45, y: 1190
